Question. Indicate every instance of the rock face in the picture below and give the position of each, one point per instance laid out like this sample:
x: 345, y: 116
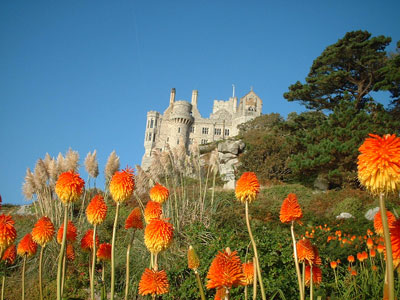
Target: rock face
x: 344, y: 215
x: 228, y: 152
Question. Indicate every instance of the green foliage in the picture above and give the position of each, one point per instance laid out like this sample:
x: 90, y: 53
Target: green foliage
x: 350, y: 205
x: 347, y: 70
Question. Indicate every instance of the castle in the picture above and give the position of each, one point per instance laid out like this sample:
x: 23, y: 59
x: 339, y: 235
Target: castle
x: 181, y: 122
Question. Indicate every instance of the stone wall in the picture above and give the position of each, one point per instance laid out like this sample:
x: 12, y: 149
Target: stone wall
x: 228, y: 155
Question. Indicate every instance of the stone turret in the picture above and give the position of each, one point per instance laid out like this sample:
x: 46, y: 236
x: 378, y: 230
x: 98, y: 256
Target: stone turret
x: 172, y: 97
x: 151, y: 133
x: 182, y: 119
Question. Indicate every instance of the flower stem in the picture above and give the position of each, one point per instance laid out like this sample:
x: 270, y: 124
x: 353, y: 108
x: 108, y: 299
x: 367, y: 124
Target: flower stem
x: 64, y: 268
x: 61, y: 255
x: 255, y: 251
x: 255, y: 279
x: 202, y: 296
x: 311, y: 284
x: 245, y: 292
x: 40, y: 273
x: 128, y: 251
x: 3, y: 282
x: 388, y: 246
x: 296, y: 262
x: 23, y: 278
x: 103, y: 288
x: 113, y: 253
x: 93, y: 263
x: 303, y: 279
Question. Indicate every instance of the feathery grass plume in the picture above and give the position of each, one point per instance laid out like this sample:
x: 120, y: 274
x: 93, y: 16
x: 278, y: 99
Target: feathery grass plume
x: 40, y: 174
x: 112, y: 166
x: 91, y: 164
x: 61, y: 164
x: 28, y: 187
x: 141, y: 181
x: 153, y: 283
x: 72, y: 160
x: 225, y: 270
x: 53, y: 171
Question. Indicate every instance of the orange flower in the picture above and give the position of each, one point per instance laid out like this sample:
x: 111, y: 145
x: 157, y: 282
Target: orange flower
x: 370, y: 243
x: 122, y: 185
x: 317, y: 259
x: 69, y: 187
x: 193, y: 259
x: 247, y: 187
x: 353, y: 272
x: 290, y: 209
x: 395, y: 241
x: 316, y: 273
x: 380, y: 248
x: 372, y: 253
x: 26, y: 246
x: 374, y: 268
x: 96, y: 211
x: 350, y: 258
x: 333, y: 264
x: 153, y: 283
x: 104, y: 252
x: 87, y: 241
x: 71, y: 233
x: 70, y: 252
x: 43, y: 231
x: 305, y: 250
x: 7, y: 232
x: 225, y: 270
x: 153, y: 210
x: 158, y: 235
x: 248, y: 272
x: 379, y: 163
x: 159, y: 193
x: 10, y: 254
x: 378, y: 222
x: 134, y: 220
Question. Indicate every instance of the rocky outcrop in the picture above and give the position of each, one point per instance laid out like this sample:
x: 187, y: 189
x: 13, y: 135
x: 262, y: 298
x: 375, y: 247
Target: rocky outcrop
x: 370, y: 214
x: 228, y: 152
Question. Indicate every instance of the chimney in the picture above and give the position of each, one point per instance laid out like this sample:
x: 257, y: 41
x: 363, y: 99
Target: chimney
x: 172, y: 97
x: 194, y: 97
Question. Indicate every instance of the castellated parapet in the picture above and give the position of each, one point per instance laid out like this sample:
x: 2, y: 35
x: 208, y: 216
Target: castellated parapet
x: 182, y: 123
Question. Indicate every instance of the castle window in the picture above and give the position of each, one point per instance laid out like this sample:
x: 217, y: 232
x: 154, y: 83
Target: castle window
x: 148, y: 123
x: 217, y: 131
x: 154, y: 137
x: 192, y: 129
x: 155, y: 123
x: 204, y: 130
x: 149, y: 138
x: 203, y: 141
x: 167, y: 139
x: 227, y: 132
x: 151, y: 123
x: 177, y: 141
x: 179, y: 130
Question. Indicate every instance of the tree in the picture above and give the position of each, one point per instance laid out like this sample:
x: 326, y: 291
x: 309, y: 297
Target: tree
x: 347, y: 70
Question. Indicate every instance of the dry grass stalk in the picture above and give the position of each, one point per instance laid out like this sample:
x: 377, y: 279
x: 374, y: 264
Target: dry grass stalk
x: 72, y: 160
x: 112, y: 166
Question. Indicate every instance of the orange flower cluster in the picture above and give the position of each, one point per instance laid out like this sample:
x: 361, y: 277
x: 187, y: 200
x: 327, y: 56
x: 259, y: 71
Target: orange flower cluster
x: 152, y: 211
x: 69, y: 187
x: 370, y: 243
x: 290, y: 209
x: 70, y: 252
x: 71, y: 233
x: 8, y: 233
x: 10, y: 255
x: 104, y: 252
x: 158, y: 235
x: 87, y: 241
x: 193, y: 259
x: 316, y: 273
x: 43, y: 231
x: 395, y: 241
x: 153, y: 283
x: 379, y: 163
x: 220, y: 294
x: 248, y: 272
x: 96, y: 211
x: 225, y: 270
x: 27, y: 246
x: 361, y: 256
x: 159, y: 193
x: 122, y: 185
x: 134, y: 220
x: 305, y: 251
x: 350, y: 259
x: 333, y: 264
x: 378, y: 222
x: 247, y: 187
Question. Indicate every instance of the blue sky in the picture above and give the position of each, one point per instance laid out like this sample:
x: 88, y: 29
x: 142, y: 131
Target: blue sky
x: 83, y: 74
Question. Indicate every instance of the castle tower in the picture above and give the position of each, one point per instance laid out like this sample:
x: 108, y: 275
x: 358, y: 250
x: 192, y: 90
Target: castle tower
x: 180, y: 121
x: 151, y: 134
